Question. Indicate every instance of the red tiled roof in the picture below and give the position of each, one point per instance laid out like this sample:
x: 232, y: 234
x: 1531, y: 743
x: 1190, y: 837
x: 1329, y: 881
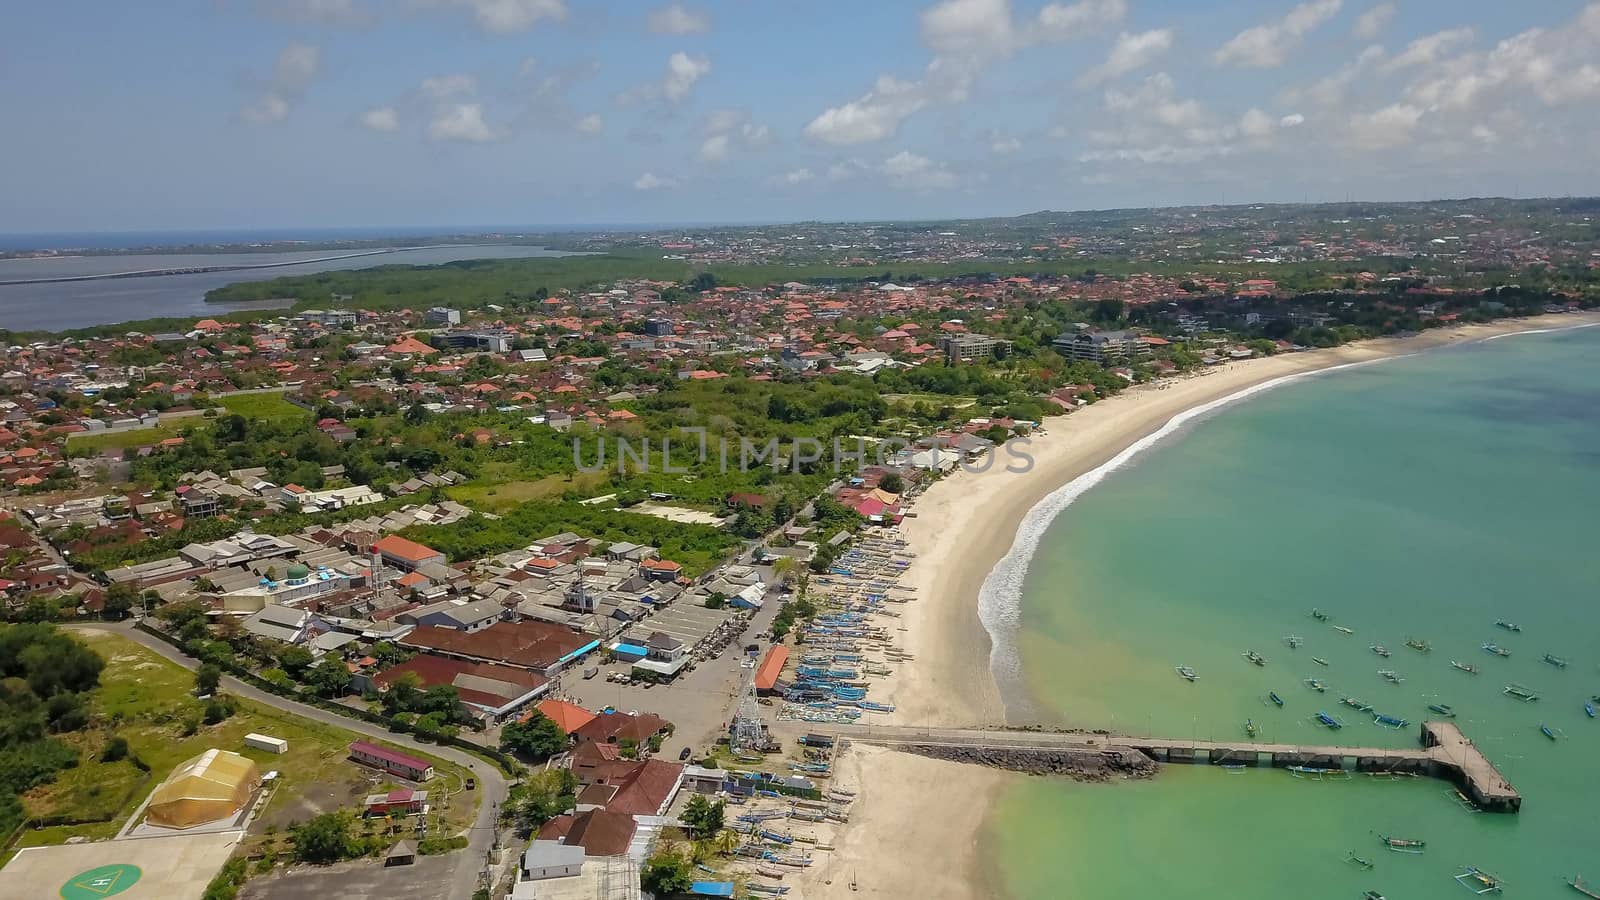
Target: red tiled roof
x: 767, y: 674
x: 400, y: 548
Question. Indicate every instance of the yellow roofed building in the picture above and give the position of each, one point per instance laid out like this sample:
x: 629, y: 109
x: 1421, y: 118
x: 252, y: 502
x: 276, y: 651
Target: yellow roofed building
x: 214, y: 785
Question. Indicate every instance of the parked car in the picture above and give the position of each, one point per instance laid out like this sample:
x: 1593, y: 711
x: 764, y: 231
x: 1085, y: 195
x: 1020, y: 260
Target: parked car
x: 590, y: 672
x: 685, y: 754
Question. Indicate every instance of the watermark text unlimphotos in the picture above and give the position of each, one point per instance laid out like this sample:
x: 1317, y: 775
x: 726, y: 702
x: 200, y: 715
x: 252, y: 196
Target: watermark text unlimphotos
x: 971, y: 454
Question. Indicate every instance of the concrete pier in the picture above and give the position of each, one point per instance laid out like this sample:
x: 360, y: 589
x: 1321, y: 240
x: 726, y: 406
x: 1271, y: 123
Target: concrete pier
x: 1444, y: 753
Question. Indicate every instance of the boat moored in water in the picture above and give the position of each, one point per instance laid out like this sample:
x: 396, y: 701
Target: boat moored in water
x: 1316, y: 685
x: 1389, y: 721
x: 1319, y: 660
x: 1371, y: 895
x: 1509, y: 626
x: 1547, y: 731
x: 1329, y: 721
x: 1554, y: 660
x: 1521, y: 693
x: 1361, y: 861
x: 1478, y: 881
x: 1578, y: 884
x: 1403, y: 845
x: 1353, y: 703
x: 1419, y: 646
x: 1381, y: 650
x: 1443, y: 709
x: 1293, y: 640
x: 1468, y: 668
x: 1250, y: 727
x: 1390, y: 676
x: 1278, y: 701
x: 1186, y: 673
x: 1343, y: 630
x: 1319, y: 615
x: 1588, y: 707
x: 1255, y: 657
x: 1496, y: 649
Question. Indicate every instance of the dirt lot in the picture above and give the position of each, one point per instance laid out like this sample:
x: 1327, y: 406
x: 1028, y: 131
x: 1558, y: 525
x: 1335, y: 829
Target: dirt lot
x: 428, y: 879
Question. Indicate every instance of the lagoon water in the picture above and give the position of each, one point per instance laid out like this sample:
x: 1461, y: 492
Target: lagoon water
x: 77, y: 304
x: 1423, y: 497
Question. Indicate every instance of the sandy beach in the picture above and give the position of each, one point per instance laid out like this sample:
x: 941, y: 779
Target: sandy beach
x: 914, y: 829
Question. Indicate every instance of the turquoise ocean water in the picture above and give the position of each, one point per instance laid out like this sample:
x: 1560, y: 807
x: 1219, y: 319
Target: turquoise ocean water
x: 1423, y: 497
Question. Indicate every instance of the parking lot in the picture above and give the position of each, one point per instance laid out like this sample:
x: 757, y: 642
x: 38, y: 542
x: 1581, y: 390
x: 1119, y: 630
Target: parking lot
x: 429, y: 878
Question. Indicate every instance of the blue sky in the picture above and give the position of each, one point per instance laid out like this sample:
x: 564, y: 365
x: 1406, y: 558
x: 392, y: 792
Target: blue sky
x: 282, y: 113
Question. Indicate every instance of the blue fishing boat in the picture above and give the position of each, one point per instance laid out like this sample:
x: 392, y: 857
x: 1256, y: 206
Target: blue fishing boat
x: 1588, y: 707
x: 1317, y: 685
x: 1443, y: 709
x: 1496, y: 649
x: 1389, y: 721
x: 1278, y: 701
x: 1329, y: 721
x: 1547, y: 731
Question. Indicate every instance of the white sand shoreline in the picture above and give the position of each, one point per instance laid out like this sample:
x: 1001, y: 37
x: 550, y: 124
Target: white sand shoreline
x: 967, y: 544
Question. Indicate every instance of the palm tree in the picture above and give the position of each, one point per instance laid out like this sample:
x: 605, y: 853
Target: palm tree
x: 699, y: 851
x: 727, y: 841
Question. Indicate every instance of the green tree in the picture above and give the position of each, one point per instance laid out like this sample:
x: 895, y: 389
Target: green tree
x: 892, y: 482
x: 537, y: 739
x: 326, y: 839
x: 667, y: 873
x: 329, y: 678
x: 703, y: 817
x: 295, y: 660
x: 207, y: 679
x: 120, y: 599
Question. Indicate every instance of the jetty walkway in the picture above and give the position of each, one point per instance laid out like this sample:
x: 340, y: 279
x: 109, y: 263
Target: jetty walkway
x: 1444, y: 752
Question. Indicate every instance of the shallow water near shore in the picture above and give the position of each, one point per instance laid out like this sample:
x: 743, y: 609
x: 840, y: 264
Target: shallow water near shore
x: 1422, y: 498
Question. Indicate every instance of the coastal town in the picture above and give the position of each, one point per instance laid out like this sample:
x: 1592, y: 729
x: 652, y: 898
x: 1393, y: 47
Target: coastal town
x: 586, y: 588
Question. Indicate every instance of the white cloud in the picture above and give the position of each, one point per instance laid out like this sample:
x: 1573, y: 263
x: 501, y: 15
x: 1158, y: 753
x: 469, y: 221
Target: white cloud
x: 874, y: 116
x: 381, y: 118
x: 649, y: 181
x: 461, y: 122
x: 266, y: 109
x: 908, y: 171
x: 591, y: 124
x: 1003, y: 144
x: 1269, y: 45
x: 506, y: 16
x: 1430, y: 49
x: 683, y: 71
x: 1256, y: 124
x: 1374, y: 21
x: 1130, y: 52
x: 678, y: 19
x: 798, y: 176
x: 1555, y: 66
x: 1160, y: 154
x: 296, y: 68
x: 1292, y: 120
x: 730, y: 129
x: 1391, y: 126
x: 443, y: 87
x: 966, y: 37
x: 316, y: 12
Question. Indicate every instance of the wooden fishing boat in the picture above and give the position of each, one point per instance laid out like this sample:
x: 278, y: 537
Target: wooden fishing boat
x: 1319, y: 615
x: 1186, y: 673
x: 1328, y: 721
x: 1353, y: 703
x: 1509, y: 626
x: 1521, y: 693
x: 1316, y: 685
x: 1419, y: 646
x: 1250, y: 728
x: 1293, y: 640
x: 1443, y: 709
x: 1361, y: 861
x: 1381, y: 650
x: 1255, y: 657
x: 1371, y: 895
x: 1478, y: 881
x: 1403, y: 845
x: 1468, y: 668
x: 1319, y: 660
x: 1547, y: 731
x: 1390, y: 676
x: 1588, y: 707
x: 1577, y: 883
x: 1343, y: 630
x: 1554, y: 660
x: 1278, y: 701
x: 1496, y: 649
x: 1389, y: 721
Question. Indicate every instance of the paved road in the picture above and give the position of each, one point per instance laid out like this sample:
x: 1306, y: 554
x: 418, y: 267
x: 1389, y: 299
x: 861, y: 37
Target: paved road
x: 492, y: 783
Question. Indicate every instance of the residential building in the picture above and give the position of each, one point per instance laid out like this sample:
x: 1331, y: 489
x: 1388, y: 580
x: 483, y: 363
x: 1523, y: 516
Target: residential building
x: 444, y: 315
x: 967, y: 347
x: 403, y: 554
x: 1103, y: 347
x: 469, y: 617
x: 392, y: 761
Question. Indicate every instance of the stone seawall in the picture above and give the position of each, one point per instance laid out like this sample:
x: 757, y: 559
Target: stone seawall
x: 1081, y: 765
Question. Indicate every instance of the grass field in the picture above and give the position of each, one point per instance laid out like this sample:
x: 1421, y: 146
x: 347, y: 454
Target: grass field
x: 488, y: 492
x: 147, y: 700
x: 270, y: 405
x: 136, y: 437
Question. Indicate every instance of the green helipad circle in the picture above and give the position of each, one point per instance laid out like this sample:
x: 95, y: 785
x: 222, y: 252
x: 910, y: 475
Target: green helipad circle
x: 101, y: 881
